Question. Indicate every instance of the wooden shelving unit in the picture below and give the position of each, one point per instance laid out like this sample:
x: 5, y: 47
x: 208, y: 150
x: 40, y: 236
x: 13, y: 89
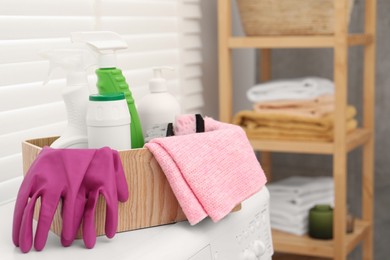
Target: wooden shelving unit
x: 287, y: 243
x: 343, y: 243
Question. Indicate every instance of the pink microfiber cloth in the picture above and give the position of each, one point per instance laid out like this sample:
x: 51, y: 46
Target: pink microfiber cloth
x: 189, y: 124
x: 211, y: 172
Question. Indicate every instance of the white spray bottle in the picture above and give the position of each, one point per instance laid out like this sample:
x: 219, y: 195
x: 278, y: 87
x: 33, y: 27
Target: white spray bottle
x: 159, y: 108
x: 75, y: 95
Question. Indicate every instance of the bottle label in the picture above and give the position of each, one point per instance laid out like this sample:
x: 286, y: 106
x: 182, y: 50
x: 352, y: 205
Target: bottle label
x: 155, y: 131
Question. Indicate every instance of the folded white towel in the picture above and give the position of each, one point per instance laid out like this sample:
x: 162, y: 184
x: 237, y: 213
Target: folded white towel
x: 301, y: 225
x: 291, y: 223
x: 291, y: 89
x: 292, y: 198
x: 291, y: 220
x: 299, y: 231
x: 298, y: 186
x: 302, y: 200
x: 286, y: 208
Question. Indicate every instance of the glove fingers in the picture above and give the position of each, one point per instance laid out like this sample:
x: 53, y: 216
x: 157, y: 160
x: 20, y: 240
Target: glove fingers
x: 25, y: 235
x: 111, y: 214
x: 72, y: 213
x: 20, y: 205
x: 89, y: 232
x: 67, y: 223
x: 121, y: 183
x: 48, y: 208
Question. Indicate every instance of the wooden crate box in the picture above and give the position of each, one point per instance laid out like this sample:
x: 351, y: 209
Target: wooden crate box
x: 151, y: 200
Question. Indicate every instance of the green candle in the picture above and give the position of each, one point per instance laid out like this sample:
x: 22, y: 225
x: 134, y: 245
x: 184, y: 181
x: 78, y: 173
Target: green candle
x: 321, y: 222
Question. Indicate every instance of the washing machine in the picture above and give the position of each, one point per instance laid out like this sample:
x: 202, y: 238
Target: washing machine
x: 242, y: 235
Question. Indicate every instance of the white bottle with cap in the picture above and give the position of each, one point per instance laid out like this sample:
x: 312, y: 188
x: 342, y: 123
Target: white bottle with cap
x: 108, y: 122
x: 159, y: 108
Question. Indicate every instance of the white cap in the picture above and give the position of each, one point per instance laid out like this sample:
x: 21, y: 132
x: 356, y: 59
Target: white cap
x: 105, y: 43
x: 158, y: 83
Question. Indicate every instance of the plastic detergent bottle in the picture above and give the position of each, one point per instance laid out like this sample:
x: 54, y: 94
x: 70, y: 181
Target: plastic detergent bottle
x: 159, y: 108
x: 110, y: 79
x: 108, y: 121
x: 75, y: 95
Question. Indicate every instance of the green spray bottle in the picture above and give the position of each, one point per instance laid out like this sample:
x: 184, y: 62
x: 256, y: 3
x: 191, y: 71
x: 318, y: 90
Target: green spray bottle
x: 110, y: 79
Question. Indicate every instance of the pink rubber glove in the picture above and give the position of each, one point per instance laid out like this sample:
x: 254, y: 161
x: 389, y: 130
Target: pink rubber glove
x: 105, y: 176
x: 55, y: 174
x: 59, y: 174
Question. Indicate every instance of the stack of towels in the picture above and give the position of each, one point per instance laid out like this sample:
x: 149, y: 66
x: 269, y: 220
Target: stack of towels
x: 292, y: 198
x: 299, y: 109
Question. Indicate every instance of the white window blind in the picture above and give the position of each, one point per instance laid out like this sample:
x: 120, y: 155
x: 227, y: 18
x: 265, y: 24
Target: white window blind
x: 159, y: 32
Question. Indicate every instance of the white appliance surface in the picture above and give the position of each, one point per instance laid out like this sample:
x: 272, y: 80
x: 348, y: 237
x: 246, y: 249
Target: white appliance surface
x: 242, y: 235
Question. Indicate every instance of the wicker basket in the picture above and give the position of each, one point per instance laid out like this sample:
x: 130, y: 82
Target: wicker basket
x: 288, y: 17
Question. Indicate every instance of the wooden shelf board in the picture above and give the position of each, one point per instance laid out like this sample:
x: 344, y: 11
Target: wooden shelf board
x: 360, y: 39
x: 358, y: 138
x: 354, y: 139
x: 304, y: 245
x: 279, y: 256
x: 292, y: 146
x: 296, y: 41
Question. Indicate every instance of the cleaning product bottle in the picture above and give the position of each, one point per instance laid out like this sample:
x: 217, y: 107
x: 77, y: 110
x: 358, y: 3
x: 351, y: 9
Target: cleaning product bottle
x: 110, y: 78
x: 75, y: 95
x: 159, y: 108
x: 108, y: 121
